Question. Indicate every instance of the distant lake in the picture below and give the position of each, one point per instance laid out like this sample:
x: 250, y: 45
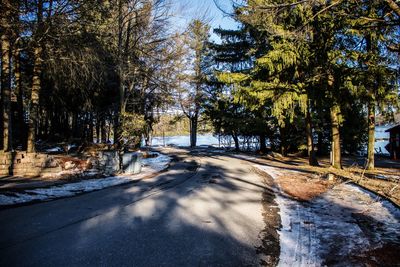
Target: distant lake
x: 184, y: 140
x: 382, y: 139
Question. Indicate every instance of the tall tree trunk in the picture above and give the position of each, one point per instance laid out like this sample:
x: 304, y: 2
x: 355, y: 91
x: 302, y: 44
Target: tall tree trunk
x: 282, y: 132
x: 108, y: 132
x: 148, y: 135
x: 6, y: 92
x: 5, y: 74
x: 66, y: 126
x: 320, y: 143
x: 312, y: 159
x: 119, y: 107
x: 98, y: 126
x: 371, y: 46
x: 91, y: 128
x: 1, y: 108
x: 394, y: 6
x: 36, y: 80
x: 193, y: 131
x: 263, y: 144
x: 103, y: 131
x: 45, y: 125
x: 236, y: 140
x: 74, y: 125
x: 371, y: 136
x: 117, y: 122
x: 335, y: 150
x: 19, y: 93
x: 34, y: 112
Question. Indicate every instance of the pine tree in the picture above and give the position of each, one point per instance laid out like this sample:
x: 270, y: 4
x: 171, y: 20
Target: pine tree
x: 283, y: 59
x: 375, y: 78
x: 6, y: 34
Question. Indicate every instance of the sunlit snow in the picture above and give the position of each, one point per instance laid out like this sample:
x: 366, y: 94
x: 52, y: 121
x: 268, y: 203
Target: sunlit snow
x: 328, y: 226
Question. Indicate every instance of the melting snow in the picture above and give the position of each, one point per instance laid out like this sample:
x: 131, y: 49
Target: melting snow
x: 150, y: 165
x: 157, y: 164
x: 55, y: 149
x: 245, y: 157
x: 328, y: 229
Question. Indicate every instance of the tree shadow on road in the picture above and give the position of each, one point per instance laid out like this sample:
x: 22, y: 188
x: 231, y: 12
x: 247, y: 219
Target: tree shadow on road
x: 208, y: 215
x: 180, y: 218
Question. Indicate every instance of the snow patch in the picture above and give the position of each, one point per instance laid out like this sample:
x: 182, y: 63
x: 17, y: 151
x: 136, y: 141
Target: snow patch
x: 328, y: 229
x: 156, y: 164
x: 55, y: 149
x: 245, y: 157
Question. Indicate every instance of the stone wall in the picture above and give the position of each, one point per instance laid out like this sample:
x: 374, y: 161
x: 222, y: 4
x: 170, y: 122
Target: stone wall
x: 109, y: 162
x: 36, y: 164
x: 27, y: 164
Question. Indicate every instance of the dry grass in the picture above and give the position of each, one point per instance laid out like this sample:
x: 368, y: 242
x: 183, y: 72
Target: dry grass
x: 302, y: 187
x: 77, y: 162
x: 307, y: 183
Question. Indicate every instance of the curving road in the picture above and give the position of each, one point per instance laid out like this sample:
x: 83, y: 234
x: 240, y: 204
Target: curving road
x: 206, y: 210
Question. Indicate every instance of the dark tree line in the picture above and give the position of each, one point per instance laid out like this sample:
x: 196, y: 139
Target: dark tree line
x: 306, y: 72
x: 299, y: 75
x: 78, y: 70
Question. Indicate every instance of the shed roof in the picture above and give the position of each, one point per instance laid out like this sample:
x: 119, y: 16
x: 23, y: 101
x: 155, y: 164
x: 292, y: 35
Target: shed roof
x: 396, y: 127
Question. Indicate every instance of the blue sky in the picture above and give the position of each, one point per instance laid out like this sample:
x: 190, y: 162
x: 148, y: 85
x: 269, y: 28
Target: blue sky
x: 186, y: 10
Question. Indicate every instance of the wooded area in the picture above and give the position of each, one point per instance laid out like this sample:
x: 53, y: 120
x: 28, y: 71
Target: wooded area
x: 305, y: 75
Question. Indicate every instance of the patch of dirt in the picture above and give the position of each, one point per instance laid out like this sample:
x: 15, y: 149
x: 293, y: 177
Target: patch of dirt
x: 270, y: 248
x: 388, y: 188
x: 301, y: 187
x: 66, y: 161
x: 385, y: 256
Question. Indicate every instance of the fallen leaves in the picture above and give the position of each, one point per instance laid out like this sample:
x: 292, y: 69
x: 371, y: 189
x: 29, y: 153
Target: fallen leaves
x: 301, y: 186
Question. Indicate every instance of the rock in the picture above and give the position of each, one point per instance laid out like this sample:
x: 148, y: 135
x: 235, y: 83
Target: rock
x: 331, y: 177
x: 132, y: 163
x: 69, y: 165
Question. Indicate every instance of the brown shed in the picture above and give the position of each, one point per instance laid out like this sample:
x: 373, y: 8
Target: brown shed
x: 394, y: 142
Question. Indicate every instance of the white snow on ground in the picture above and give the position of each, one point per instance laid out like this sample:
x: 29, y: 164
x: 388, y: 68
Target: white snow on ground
x: 150, y: 166
x: 388, y: 177
x: 243, y: 156
x: 327, y: 229
x: 54, y: 149
x: 158, y: 163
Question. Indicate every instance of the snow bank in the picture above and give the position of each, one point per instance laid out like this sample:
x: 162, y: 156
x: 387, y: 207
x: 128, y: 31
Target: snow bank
x: 55, y: 149
x: 244, y: 157
x: 329, y: 229
x: 157, y: 164
x: 150, y: 165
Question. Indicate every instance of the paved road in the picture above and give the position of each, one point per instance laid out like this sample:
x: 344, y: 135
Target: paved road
x: 205, y: 216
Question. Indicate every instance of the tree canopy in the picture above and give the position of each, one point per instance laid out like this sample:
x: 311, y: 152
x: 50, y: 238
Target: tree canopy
x: 299, y: 76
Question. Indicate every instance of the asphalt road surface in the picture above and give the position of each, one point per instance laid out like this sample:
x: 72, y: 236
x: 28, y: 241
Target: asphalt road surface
x: 205, y: 210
